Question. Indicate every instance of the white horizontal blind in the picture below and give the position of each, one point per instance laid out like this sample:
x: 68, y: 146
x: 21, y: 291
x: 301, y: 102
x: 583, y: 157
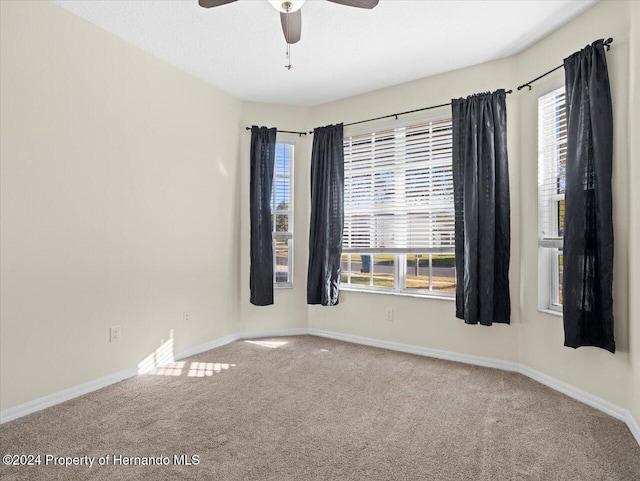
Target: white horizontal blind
x: 398, y: 194
x: 552, y: 155
x: 282, y: 215
x: 281, y: 205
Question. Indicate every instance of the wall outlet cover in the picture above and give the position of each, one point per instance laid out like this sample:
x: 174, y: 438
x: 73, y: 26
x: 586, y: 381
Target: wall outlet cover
x: 115, y: 334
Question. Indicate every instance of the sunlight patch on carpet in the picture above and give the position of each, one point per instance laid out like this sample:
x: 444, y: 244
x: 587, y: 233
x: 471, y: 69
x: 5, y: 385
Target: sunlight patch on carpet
x: 202, y: 369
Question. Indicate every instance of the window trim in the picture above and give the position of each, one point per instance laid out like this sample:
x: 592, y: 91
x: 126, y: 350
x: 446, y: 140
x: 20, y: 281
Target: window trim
x: 400, y: 279
x: 400, y: 262
x: 554, y: 299
x: 401, y: 294
x: 549, y: 248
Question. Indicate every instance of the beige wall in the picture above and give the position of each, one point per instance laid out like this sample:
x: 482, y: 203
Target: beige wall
x: 118, y: 202
x: 634, y: 216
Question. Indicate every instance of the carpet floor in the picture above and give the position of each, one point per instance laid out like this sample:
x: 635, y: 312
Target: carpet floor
x: 308, y: 408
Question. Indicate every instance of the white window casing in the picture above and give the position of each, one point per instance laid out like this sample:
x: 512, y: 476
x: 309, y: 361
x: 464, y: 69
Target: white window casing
x: 282, y: 216
x: 398, y: 209
x: 552, y: 150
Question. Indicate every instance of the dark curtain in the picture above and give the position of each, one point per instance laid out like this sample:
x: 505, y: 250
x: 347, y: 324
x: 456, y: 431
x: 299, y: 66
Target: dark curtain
x: 482, y: 211
x: 588, y: 236
x: 263, y: 156
x: 327, y: 216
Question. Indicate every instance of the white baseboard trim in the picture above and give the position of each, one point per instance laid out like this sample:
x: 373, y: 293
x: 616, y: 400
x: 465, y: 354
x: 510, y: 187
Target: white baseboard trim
x: 301, y: 331
x: 633, y: 426
x: 419, y: 350
x: 573, y: 392
x: 579, y: 395
x: 64, y: 395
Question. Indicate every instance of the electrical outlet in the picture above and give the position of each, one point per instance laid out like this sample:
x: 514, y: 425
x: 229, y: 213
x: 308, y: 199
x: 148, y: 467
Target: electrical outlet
x: 389, y: 314
x: 114, y: 334
x: 185, y: 317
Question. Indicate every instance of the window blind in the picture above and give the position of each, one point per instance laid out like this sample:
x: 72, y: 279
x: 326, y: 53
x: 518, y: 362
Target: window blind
x: 398, y: 194
x: 552, y: 155
x: 281, y: 204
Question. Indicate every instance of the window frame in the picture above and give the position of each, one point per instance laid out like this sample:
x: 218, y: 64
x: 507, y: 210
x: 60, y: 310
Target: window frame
x: 282, y: 236
x: 549, y: 248
x: 400, y: 277
x: 400, y: 258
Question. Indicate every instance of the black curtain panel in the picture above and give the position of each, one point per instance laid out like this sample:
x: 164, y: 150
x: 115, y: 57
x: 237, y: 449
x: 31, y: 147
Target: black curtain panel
x: 263, y: 156
x: 327, y: 216
x: 482, y: 210
x: 588, y: 235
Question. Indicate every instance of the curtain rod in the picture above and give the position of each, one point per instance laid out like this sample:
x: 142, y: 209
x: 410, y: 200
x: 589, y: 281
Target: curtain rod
x: 284, y: 132
x: 402, y: 113
x: 607, y: 43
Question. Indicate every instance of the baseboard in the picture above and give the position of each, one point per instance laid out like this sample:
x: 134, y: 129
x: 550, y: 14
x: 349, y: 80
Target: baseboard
x: 64, y: 395
x: 419, y: 350
x: 633, y: 426
x: 301, y: 331
x: 573, y: 392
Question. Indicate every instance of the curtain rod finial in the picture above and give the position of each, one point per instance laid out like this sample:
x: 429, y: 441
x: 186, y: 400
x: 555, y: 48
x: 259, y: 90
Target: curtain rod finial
x: 608, y: 42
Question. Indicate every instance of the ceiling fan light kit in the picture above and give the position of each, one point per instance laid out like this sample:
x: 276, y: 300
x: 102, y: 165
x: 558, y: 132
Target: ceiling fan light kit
x: 286, y: 6
x: 291, y: 16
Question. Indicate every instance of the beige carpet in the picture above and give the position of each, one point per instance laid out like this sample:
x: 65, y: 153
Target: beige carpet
x: 307, y: 408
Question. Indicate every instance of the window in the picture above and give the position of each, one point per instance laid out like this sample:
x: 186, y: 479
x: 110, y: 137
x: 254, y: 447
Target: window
x: 552, y: 161
x: 398, y: 211
x: 282, y: 216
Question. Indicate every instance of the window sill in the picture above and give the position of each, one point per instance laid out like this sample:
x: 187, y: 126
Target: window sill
x: 551, y: 311
x: 401, y: 294
x: 283, y: 286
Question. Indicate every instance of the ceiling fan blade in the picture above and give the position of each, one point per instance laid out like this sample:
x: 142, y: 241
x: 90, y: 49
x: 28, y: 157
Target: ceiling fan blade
x: 369, y: 4
x: 292, y: 26
x: 214, y: 3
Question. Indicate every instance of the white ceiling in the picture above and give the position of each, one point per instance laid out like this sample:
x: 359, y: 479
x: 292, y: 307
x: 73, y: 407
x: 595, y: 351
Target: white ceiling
x: 344, y: 51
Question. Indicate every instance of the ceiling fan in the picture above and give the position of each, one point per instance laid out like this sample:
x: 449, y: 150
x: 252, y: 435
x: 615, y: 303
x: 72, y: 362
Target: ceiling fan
x: 290, y: 14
